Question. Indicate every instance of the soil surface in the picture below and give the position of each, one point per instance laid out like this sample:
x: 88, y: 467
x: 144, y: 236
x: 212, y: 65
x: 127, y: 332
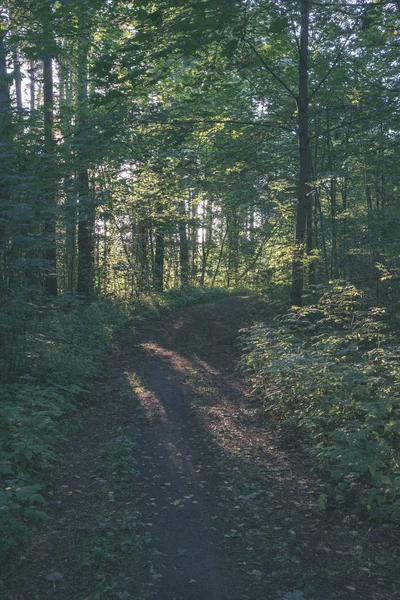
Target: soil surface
x: 173, y: 485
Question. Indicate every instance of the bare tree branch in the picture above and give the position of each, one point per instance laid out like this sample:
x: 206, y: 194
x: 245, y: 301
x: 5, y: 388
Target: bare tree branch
x: 271, y: 71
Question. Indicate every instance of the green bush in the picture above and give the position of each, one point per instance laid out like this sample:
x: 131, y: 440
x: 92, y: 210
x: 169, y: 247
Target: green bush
x: 57, y: 353
x: 332, y: 371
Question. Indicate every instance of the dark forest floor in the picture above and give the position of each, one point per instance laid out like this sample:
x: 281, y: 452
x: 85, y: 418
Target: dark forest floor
x: 172, y: 485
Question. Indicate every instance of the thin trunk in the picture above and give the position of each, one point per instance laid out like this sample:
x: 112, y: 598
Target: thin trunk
x: 310, y: 242
x: 17, y: 80
x: 252, y: 236
x: 344, y: 228
x: 192, y: 210
x: 221, y: 251
x: 333, y: 202
x: 344, y: 232
x: 70, y: 234
x: 85, y: 285
x: 158, y: 273
x: 85, y: 238
x: 334, y: 261
x: 304, y: 193
x: 318, y: 202
x: 233, y: 257
x: 32, y: 69
x: 5, y: 155
x: 50, y: 253
x: 141, y: 254
x: 183, y: 246
x: 207, y: 239
x: 106, y: 252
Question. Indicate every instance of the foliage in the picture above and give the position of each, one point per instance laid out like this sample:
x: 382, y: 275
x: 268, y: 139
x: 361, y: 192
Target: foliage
x: 331, y: 370
x: 57, y: 355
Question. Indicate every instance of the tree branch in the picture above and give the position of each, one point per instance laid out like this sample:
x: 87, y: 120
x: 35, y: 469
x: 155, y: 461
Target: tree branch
x: 271, y: 71
x: 336, y: 60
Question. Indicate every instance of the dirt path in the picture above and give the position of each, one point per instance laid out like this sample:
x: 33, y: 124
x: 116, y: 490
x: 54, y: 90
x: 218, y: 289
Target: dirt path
x: 174, y: 487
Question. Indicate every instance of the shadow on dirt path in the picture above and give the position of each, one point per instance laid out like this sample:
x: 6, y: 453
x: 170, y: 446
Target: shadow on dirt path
x: 177, y: 488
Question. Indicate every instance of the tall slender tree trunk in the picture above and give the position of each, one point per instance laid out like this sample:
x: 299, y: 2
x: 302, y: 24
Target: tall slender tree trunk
x: 85, y: 284
x: 193, y: 212
x: 105, y: 259
x: 50, y: 253
x: 158, y: 273
x: 5, y: 149
x: 70, y: 234
x: 183, y: 246
x: 333, y: 202
x: 32, y: 68
x: 141, y: 255
x: 343, y: 253
x: 17, y: 80
x: 233, y: 256
x: 207, y: 237
x: 304, y: 192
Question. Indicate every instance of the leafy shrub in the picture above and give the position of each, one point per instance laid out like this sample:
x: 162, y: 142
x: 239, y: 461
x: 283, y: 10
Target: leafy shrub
x: 50, y: 355
x: 331, y: 370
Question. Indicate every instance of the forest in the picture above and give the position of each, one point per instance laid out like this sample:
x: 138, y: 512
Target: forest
x: 214, y: 183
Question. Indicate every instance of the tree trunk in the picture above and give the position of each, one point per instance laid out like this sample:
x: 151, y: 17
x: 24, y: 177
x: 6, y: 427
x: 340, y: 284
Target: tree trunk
x: 85, y: 284
x: 207, y: 238
x: 158, y: 273
x: 334, y: 261
x: 50, y: 253
x: 183, y: 247
x: 70, y: 235
x: 233, y: 256
x: 17, y: 80
x: 32, y: 85
x: 5, y: 148
x: 141, y: 255
x: 304, y: 192
x: 85, y: 239
x: 193, y: 212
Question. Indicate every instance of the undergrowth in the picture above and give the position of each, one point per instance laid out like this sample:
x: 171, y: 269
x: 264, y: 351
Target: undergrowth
x: 47, y: 355
x: 332, y: 371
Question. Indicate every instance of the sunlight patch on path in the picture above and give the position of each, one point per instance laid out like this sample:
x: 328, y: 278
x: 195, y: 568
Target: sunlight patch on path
x: 152, y: 406
x: 178, y: 362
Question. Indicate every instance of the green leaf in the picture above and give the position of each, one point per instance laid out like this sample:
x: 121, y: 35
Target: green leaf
x: 278, y: 25
x: 231, y: 47
x: 28, y: 493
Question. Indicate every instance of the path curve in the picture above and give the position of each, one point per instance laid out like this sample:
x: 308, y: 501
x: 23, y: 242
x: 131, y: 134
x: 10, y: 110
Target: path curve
x: 175, y: 487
